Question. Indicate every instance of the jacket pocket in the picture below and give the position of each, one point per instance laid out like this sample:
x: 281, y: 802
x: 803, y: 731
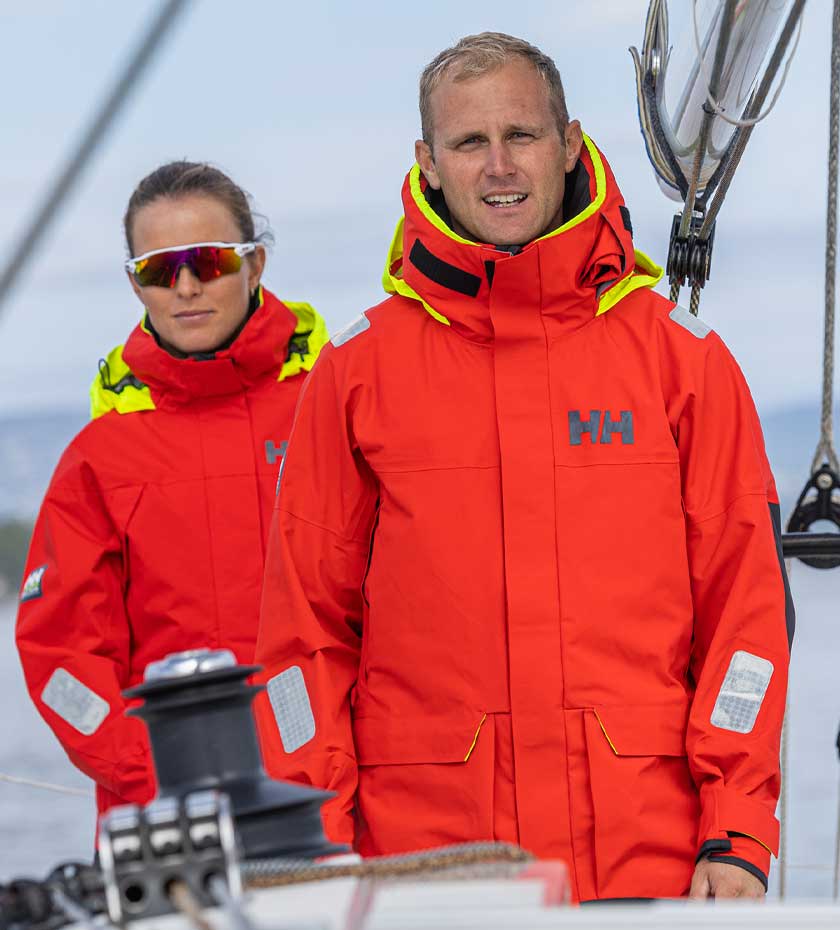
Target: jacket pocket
x: 423, y: 781
x: 645, y: 805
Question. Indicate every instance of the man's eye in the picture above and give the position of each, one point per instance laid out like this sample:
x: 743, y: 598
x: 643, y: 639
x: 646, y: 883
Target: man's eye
x: 470, y: 140
x: 519, y: 135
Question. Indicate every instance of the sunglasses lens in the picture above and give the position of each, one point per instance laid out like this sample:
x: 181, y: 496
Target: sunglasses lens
x: 206, y: 262
x: 157, y: 270
x: 212, y: 262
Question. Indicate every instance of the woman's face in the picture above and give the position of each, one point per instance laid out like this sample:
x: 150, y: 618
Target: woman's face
x: 194, y: 316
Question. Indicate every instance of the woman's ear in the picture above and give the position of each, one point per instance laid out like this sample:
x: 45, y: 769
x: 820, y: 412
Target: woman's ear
x: 256, y: 266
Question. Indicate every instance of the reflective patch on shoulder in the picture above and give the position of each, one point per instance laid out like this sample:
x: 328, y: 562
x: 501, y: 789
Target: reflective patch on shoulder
x: 742, y: 692
x: 292, y: 709
x: 359, y: 325
x: 689, y: 321
x: 33, y: 586
x: 74, y: 702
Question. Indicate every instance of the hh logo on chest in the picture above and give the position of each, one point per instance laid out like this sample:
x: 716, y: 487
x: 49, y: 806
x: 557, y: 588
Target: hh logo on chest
x: 275, y: 453
x: 601, y: 427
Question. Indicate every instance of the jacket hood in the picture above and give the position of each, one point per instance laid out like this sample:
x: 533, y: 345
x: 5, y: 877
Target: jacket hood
x: 281, y: 337
x: 586, y: 265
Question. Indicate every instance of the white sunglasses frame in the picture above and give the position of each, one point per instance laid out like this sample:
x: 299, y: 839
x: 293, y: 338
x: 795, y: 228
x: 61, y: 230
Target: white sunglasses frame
x: 241, y: 248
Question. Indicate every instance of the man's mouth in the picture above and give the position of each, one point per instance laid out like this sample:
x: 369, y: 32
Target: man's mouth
x: 502, y: 201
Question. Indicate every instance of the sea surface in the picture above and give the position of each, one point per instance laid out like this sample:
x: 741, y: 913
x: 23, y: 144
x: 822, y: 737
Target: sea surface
x: 39, y: 828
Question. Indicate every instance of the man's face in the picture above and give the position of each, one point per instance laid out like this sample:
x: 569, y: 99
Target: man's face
x: 498, y: 155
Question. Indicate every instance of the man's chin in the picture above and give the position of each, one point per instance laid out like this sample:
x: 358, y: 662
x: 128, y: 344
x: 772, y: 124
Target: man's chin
x: 504, y: 235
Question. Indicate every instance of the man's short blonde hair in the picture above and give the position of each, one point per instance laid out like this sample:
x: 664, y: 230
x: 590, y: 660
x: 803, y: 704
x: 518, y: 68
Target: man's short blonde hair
x: 475, y: 55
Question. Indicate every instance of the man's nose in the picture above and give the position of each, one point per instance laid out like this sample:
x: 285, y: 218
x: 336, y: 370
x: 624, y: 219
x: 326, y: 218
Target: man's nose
x: 499, y: 162
x: 187, y: 283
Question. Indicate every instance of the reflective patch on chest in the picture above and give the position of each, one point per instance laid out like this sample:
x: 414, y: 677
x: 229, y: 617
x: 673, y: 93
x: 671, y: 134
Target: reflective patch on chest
x: 292, y: 708
x: 742, y: 692
x: 358, y: 326
x: 688, y: 321
x: 33, y: 586
x: 74, y: 702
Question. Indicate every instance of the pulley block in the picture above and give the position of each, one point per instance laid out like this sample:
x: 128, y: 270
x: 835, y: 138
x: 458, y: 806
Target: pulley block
x: 819, y: 506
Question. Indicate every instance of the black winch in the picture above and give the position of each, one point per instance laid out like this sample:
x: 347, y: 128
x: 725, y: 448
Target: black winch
x: 197, y: 707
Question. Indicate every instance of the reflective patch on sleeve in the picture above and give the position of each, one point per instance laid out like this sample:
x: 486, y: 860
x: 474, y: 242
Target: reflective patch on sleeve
x: 74, y: 702
x: 359, y: 325
x: 33, y: 586
x: 742, y: 692
x: 689, y: 321
x: 292, y: 709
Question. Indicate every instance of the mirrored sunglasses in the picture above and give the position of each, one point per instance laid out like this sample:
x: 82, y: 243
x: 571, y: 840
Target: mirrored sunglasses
x: 206, y: 260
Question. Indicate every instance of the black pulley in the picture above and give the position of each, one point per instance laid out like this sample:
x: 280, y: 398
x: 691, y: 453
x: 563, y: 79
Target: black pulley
x: 811, y: 509
x: 201, y: 728
x: 689, y: 256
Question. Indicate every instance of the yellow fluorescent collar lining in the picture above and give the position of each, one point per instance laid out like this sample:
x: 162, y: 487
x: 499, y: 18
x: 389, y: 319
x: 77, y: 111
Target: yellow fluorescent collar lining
x: 646, y: 274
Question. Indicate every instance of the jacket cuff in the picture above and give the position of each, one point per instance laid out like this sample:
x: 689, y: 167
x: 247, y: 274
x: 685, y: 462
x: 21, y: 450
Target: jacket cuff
x: 728, y: 813
x: 743, y: 851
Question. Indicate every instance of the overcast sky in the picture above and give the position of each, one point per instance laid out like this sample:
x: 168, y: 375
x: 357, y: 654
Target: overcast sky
x: 312, y: 108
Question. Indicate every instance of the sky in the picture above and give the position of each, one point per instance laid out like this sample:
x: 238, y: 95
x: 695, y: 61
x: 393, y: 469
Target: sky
x: 312, y: 108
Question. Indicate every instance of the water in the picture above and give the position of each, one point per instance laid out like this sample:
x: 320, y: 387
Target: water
x: 40, y: 828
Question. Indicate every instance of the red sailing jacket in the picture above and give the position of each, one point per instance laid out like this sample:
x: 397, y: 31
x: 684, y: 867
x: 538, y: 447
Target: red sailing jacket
x: 523, y: 581
x: 151, y: 537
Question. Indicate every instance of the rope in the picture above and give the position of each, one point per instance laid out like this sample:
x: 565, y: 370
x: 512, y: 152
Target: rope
x: 825, y: 447
x: 710, y: 96
x: 186, y: 902
x: 267, y: 873
x: 45, y: 786
x: 221, y: 893
x: 694, y: 306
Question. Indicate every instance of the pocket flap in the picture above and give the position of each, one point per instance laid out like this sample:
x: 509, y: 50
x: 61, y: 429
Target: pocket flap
x: 405, y: 740
x: 644, y: 730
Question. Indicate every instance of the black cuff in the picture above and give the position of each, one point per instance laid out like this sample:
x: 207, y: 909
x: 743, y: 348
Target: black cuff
x: 743, y: 864
x: 713, y: 846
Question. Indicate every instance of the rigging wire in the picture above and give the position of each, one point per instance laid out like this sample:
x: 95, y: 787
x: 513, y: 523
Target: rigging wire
x: 783, y: 799
x: 45, y: 785
x: 702, y: 143
x: 719, y: 110
x: 66, y: 180
x: 755, y: 104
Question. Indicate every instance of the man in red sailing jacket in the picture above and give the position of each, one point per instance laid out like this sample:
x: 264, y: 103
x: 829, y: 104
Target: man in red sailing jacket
x: 524, y: 580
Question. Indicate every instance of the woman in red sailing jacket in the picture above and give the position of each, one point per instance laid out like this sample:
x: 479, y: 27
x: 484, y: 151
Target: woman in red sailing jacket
x: 151, y: 538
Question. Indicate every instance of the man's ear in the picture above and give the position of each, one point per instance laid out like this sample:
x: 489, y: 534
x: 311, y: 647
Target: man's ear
x: 574, y: 143
x: 423, y: 154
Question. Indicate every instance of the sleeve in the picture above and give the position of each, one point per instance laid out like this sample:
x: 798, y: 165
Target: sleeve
x: 73, y: 634
x: 311, y: 619
x: 743, y: 617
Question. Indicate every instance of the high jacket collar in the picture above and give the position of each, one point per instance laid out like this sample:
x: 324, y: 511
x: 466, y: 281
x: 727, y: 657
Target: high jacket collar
x: 578, y: 263
x: 259, y: 350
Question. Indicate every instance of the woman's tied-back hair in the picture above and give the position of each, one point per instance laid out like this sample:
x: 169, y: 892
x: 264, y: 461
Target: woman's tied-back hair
x: 186, y: 178
x: 475, y: 55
